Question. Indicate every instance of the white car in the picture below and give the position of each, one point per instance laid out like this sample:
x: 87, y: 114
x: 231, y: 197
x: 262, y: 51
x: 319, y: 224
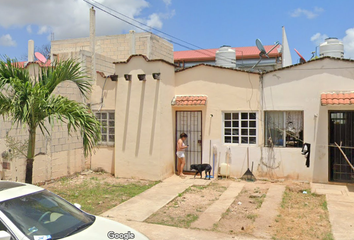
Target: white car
x: 28, y: 212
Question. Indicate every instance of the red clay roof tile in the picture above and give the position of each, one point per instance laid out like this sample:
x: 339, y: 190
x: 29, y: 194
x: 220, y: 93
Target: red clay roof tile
x: 196, y: 100
x: 337, y: 98
x: 209, y: 54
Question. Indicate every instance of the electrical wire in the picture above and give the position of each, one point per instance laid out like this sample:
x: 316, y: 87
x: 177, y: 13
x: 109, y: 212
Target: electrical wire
x: 101, y: 6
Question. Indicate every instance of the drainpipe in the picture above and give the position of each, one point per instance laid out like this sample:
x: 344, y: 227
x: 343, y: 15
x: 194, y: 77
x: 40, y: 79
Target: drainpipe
x: 261, y: 115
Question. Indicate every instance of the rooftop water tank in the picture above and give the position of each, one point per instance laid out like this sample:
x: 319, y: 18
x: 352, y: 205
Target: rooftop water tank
x: 225, y: 57
x: 332, y: 47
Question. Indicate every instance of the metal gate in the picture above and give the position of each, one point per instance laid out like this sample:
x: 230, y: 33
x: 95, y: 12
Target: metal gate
x: 341, y: 130
x: 190, y: 123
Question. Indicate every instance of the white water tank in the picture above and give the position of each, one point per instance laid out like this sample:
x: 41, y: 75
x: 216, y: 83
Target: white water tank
x: 225, y: 57
x: 332, y: 47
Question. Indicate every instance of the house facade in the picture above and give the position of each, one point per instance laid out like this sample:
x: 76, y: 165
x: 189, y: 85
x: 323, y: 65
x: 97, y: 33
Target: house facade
x: 314, y: 100
x: 231, y: 116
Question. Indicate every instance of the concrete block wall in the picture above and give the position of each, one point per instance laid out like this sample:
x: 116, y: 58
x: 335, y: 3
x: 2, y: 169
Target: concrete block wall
x: 63, y: 152
x: 117, y: 47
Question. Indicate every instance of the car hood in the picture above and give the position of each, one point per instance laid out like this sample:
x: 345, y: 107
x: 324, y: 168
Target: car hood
x: 102, y: 226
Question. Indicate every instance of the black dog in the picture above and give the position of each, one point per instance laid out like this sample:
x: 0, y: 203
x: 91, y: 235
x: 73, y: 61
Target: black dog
x: 200, y: 168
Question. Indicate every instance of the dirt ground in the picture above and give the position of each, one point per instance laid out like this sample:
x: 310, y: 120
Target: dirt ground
x: 187, y: 207
x: 242, y: 213
x: 302, y: 215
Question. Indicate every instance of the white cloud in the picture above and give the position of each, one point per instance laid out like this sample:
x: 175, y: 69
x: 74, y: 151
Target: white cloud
x: 70, y: 19
x: 167, y: 2
x: 318, y: 38
x: 348, y: 42
x: 29, y: 29
x: 154, y: 21
x: 307, y: 13
x: 43, y: 29
x: 7, y: 41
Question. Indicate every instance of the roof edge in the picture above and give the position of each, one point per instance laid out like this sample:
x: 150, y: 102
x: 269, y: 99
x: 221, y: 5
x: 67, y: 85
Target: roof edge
x: 146, y: 59
x: 220, y: 67
x: 310, y: 61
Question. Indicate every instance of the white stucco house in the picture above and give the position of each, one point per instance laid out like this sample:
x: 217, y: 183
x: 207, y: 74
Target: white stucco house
x: 227, y: 112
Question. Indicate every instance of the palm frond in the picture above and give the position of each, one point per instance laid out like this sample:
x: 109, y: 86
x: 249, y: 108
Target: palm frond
x: 67, y: 70
x: 78, y: 118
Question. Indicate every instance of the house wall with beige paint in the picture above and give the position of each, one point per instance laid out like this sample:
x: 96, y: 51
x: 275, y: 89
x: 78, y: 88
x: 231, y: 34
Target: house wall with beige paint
x: 143, y: 120
x: 299, y: 88
x: 103, y: 99
x: 228, y: 91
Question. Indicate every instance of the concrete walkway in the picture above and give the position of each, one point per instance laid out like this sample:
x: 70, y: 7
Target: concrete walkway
x: 161, y: 232
x: 340, y: 202
x: 268, y: 211
x: 214, y: 212
x: 143, y: 205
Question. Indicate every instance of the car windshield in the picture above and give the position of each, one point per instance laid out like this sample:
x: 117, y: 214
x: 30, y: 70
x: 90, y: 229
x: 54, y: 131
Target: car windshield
x: 44, y: 213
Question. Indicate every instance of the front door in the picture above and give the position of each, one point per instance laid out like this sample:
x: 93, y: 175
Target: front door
x: 190, y: 123
x: 341, y: 131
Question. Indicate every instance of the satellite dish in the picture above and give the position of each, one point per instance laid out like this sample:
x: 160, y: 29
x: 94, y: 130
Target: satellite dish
x: 260, y: 47
x: 302, y: 59
x: 40, y: 57
x: 263, y: 51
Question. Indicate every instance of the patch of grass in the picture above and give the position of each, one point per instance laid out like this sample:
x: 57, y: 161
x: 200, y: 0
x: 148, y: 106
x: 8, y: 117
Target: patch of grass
x: 64, y: 180
x: 328, y: 236
x: 226, y: 213
x: 259, y: 201
x: 324, y: 205
x: 200, y: 187
x: 187, y: 221
x: 252, y: 216
x: 302, y: 215
x: 96, y: 197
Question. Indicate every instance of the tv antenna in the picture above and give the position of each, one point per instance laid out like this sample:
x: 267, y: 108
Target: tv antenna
x: 262, y: 51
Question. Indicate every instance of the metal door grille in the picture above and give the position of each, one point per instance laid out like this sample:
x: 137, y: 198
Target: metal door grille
x: 341, y: 126
x: 190, y: 123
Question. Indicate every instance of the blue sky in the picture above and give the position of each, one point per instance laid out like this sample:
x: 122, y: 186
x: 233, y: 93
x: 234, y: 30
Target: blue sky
x: 205, y: 23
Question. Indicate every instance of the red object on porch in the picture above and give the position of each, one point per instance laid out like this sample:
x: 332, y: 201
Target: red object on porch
x: 337, y: 98
x: 189, y: 100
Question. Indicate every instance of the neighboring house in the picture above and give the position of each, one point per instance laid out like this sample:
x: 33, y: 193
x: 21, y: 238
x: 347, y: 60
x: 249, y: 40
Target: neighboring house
x: 246, y: 57
x: 316, y: 99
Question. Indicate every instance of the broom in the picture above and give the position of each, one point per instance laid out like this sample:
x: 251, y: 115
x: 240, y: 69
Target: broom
x: 248, y: 175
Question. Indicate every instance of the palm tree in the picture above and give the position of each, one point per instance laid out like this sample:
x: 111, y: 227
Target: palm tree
x: 29, y: 100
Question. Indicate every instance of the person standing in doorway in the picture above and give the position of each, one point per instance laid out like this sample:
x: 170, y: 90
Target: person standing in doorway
x: 181, y: 146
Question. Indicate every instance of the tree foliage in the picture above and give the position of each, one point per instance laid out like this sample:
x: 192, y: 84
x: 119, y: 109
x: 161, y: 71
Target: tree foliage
x: 30, y: 101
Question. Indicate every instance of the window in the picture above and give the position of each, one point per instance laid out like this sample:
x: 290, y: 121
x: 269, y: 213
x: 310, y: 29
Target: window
x: 4, y: 228
x: 107, y: 128
x: 284, y: 129
x: 240, y: 127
